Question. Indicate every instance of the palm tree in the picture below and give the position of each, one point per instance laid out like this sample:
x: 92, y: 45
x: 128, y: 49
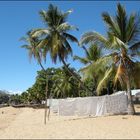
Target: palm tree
x: 92, y: 54
x: 124, y: 27
x: 65, y: 82
x: 31, y: 43
x: 31, y: 46
x: 55, y: 38
x: 122, y: 43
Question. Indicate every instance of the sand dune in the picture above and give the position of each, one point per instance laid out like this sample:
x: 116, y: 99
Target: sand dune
x: 28, y: 123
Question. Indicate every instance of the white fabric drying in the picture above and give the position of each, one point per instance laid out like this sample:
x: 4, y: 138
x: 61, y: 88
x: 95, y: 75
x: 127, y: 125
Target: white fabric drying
x: 95, y: 106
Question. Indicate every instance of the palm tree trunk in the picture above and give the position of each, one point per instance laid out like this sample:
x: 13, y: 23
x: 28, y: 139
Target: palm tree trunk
x: 131, y: 110
x: 42, y: 66
x: 83, y: 86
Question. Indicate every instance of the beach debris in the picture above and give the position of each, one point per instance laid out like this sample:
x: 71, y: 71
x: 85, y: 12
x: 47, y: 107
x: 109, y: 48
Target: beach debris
x: 138, y: 107
x: 124, y: 118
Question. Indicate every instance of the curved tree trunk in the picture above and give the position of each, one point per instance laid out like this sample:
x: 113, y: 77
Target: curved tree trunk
x: 131, y: 109
x: 42, y: 66
x: 82, y: 84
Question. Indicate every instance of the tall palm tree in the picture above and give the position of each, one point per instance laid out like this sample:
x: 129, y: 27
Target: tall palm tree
x: 34, y: 51
x: 122, y: 41
x: 55, y: 38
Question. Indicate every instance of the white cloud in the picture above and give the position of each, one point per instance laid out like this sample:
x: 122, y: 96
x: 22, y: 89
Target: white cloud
x: 11, y: 91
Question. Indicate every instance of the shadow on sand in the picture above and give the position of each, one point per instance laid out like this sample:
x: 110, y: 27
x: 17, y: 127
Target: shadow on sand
x: 137, y: 113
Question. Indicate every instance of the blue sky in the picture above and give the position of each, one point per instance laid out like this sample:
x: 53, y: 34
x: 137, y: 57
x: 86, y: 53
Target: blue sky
x: 16, y: 18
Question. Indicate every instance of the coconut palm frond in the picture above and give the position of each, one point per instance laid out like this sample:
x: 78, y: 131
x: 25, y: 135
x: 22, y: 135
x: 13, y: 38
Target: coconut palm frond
x: 67, y: 46
x: 40, y: 32
x: 134, y: 30
x: 67, y: 13
x: 25, y: 39
x: 66, y: 27
x: 43, y: 43
x: 26, y: 46
x: 43, y: 15
x: 94, y: 52
x: 103, y: 83
x: 87, y: 72
x: 135, y: 49
x: 130, y: 28
x: 70, y: 37
x: 111, y: 23
x: 100, y: 65
x: 106, y: 60
x: 32, y: 47
x: 124, y: 27
x: 112, y: 42
x: 93, y: 37
x: 116, y: 43
x: 80, y: 59
x: 86, y: 51
x: 121, y: 20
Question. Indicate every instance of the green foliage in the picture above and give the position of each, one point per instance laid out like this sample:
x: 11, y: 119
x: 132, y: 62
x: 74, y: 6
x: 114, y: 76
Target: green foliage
x: 123, y: 26
x: 122, y: 43
x: 4, y: 97
x: 107, y: 56
x: 15, y: 99
x: 54, y: 39
x: 92, y: 66
x: 65, y: 84
x: 60, y: 85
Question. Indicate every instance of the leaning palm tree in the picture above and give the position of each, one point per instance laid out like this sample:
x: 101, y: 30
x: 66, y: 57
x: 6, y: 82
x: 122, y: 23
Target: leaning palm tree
x: 55, y: 38
x: 31, y: 43
x: 122, y: 43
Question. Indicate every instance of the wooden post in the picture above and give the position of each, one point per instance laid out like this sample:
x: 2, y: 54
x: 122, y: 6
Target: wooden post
x: 49, y: 114
x: 46, y: 102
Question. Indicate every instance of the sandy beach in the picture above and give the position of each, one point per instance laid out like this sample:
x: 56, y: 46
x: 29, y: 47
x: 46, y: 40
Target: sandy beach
x: 28, y: 123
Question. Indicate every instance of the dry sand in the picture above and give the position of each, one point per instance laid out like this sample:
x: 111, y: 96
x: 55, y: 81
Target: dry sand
x: 28, y: 123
